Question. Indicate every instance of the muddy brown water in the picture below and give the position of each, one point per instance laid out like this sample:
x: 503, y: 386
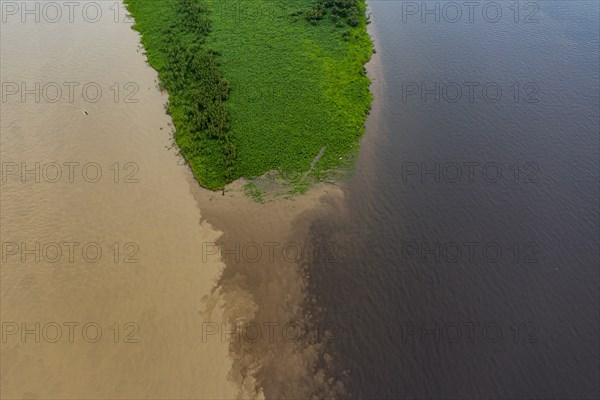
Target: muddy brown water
x: 144, y: 291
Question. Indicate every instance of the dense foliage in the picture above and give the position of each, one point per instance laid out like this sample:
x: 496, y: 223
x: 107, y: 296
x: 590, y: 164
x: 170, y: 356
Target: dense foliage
x: 291, y: 87
x: 341, y: 11
x: 190, y: 72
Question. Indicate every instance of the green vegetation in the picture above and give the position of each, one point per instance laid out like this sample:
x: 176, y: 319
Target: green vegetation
x: 252, y: 191
x: 174, y: 34
x: 260, y: 85
x: 342, y: 11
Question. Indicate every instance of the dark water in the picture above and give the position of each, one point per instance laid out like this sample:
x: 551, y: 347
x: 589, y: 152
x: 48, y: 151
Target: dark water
x: 478, y: 285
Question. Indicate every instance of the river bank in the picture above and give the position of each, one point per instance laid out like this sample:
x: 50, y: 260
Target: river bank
x: 259, y: 86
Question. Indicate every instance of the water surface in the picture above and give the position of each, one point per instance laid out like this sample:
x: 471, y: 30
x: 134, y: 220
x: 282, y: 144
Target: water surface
x: 472, y: 286
x: 143, y: 200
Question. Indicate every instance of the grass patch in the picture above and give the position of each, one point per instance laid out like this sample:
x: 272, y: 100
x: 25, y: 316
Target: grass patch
x: 252, y: 191
x: 260, y: 85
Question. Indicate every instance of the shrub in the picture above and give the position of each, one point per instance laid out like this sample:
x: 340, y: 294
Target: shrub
x: 341, y: 10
